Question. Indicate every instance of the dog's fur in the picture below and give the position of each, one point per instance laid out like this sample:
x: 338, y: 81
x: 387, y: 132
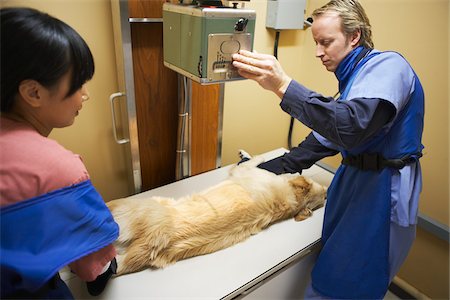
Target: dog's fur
x: 156, y: 231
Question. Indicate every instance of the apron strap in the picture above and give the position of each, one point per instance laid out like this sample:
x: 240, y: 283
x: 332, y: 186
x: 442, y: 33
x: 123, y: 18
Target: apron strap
x: 376, y: 161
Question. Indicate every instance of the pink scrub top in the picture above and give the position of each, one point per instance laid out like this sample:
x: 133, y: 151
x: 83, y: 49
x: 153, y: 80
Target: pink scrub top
x: 32, y: 165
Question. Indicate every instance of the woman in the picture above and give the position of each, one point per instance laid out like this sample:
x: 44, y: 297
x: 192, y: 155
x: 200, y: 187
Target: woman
x: 51, y: 215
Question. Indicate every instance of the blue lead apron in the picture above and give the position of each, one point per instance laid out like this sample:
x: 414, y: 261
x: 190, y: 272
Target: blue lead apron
x: 41, y: 235
x: 354, y: 260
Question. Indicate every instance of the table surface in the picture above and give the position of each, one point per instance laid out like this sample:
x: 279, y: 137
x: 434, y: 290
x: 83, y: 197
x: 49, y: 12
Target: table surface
x: 225, y: 273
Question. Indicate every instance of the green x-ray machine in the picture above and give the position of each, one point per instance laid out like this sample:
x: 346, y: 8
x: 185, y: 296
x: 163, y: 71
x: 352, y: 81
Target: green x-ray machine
x: 199, y: 40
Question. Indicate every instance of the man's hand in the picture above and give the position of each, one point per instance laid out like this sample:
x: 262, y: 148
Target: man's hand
x: 264, y: 69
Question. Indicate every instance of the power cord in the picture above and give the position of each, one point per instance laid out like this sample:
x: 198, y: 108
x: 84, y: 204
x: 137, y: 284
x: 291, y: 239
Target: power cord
x: 291, y: 124
x: 308, y: 22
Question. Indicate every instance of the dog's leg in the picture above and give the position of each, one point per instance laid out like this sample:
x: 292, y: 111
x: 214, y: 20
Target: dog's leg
x: 243, y: 155
x: 143, y: 252
x: 253, y: 162
x: 303, y: 214
x: 146, y: 229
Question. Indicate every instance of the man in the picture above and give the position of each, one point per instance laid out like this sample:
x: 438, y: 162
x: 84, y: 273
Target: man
x: 376, y: 124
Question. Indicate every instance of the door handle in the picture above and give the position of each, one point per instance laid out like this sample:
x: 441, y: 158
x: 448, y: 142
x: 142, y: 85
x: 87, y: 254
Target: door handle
x: 112, y: 98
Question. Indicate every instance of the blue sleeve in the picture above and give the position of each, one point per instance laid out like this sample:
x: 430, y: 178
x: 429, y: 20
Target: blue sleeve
x: 299, y: 158
x: 347, y: 123
x: 387, y: 76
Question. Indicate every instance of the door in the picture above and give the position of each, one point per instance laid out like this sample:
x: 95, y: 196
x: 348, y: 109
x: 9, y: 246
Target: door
x: 149, y: 102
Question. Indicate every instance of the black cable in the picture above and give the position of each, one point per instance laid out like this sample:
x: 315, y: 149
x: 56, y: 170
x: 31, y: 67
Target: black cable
x: 291, y: 124
x: 291, y: 127
x: 275, y: 46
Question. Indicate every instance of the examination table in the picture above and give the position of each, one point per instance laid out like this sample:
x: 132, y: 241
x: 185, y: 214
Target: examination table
x: 273, y: 264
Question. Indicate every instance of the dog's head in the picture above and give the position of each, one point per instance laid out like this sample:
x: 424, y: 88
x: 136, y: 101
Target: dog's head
x: 309, y: 194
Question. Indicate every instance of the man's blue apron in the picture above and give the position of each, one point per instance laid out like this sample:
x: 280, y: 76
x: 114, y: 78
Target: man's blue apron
x: 354, y: 260
x: 41, y: 235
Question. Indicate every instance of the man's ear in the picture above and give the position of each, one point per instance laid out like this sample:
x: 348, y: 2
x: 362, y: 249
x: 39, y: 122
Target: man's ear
x: 30, y: 91
x: 355, y: 38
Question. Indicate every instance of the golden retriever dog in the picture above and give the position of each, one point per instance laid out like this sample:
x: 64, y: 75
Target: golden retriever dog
x: 156, y: 232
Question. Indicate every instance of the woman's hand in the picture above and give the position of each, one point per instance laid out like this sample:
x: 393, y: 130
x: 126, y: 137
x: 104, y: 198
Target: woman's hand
x: 90, y: 266
x: 264, y: 69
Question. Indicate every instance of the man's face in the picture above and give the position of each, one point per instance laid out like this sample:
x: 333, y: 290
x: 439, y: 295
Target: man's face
x: 332, y: 45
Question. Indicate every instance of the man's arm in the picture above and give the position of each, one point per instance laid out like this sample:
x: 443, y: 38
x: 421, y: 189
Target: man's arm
x: 346, y: 123
x: 301, y: 157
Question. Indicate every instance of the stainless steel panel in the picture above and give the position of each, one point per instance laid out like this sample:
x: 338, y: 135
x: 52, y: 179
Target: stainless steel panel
x: 145, y: 20
x: 129, y: 86
x: 112, y: 98
x: 221, y: 46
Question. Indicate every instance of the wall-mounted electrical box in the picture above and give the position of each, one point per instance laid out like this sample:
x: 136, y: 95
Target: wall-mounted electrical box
x: 199, y: 41
x: 285, y: 14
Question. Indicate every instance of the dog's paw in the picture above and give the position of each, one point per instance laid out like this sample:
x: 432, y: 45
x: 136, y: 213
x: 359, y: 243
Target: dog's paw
x: 244, y: 155
x: 304, y: 214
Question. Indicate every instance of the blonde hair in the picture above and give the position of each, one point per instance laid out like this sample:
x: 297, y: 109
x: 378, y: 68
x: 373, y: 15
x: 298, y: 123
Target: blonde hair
x: 353, y: 19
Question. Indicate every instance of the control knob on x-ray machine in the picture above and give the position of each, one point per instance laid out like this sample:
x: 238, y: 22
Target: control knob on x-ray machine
x: 241, y: 24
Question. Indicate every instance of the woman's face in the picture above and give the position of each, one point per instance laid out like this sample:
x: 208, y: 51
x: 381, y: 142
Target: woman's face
x: 332, y: 45
x: 57, y: 110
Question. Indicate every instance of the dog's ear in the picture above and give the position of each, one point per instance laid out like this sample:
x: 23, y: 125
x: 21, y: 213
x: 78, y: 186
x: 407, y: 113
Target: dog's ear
x: 300, y: 186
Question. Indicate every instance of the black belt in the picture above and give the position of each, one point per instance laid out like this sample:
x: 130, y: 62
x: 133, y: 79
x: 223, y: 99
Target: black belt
x: 376, y: 162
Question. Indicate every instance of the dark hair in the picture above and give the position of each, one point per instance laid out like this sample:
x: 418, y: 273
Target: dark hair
x: 37, y: 46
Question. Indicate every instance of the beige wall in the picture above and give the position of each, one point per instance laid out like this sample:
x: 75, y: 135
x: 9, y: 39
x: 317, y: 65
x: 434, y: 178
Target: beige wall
x: 419, y: 29
x: 91, y: 136
x: 253, y: 120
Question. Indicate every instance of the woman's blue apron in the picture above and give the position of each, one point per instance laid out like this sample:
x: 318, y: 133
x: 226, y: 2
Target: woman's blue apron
x: 41, y: 235
x: 354, y: 260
